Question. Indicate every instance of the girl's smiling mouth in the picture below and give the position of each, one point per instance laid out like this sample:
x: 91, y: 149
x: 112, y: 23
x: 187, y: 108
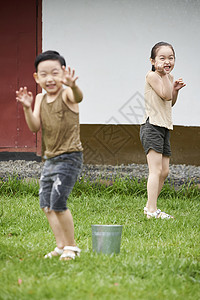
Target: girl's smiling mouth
x: 167, y: 68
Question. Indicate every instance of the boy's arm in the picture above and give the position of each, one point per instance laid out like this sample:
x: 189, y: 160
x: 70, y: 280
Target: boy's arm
x: 32, y: 117
x: 161, y: 84
x: 178, y: 84
x: 73, y: 92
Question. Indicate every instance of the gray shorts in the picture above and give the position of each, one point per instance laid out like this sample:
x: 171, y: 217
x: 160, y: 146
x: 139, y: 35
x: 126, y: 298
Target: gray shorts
x: 58, y: 178
x: 156, y: 138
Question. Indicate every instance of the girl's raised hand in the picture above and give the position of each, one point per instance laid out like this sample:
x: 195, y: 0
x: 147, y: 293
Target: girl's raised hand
x: 69, y: 77
x: 179, y: 84
x: 25, y: 97
x: 160, y: 68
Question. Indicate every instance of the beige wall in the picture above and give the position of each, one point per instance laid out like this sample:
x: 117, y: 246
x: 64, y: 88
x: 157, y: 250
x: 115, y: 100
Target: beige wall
x: 109, y: 43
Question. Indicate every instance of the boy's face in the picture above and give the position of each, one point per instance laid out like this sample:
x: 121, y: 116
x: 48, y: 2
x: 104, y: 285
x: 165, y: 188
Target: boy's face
x: 49, y: 76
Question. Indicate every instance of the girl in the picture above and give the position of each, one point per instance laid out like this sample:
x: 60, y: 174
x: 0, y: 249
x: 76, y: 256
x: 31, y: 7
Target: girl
x: 160, y: 95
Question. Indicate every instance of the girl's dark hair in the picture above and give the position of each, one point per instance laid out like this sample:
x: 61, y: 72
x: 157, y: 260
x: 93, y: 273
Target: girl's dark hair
x: 156, y: 47
x: 49, y: 55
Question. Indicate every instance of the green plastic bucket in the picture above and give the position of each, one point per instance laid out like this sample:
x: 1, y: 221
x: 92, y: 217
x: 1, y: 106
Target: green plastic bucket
x: 106, y: 238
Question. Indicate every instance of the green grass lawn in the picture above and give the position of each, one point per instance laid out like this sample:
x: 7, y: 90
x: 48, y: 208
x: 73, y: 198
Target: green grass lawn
x: 159, y: 259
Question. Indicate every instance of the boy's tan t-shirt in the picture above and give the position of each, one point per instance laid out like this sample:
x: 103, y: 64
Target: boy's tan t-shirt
x: 157, y: 109
x: 60, y: 128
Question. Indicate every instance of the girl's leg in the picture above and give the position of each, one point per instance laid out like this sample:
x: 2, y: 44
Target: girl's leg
x: 165, y: 172
x: 154, y: 183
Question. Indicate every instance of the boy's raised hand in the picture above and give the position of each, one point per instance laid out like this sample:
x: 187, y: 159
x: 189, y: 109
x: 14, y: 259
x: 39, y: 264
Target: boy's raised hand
x: 25, y: 97
x: 69, y: 77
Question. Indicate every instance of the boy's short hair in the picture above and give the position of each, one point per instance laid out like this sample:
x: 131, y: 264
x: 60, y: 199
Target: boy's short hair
x: 49, y: 55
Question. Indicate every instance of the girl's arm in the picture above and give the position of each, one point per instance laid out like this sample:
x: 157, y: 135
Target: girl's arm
x: 32, y: 117
x: 178, y: 84
x: 161, y: 84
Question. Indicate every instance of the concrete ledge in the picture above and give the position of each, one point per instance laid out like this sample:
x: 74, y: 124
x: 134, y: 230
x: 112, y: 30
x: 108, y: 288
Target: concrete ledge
x: 28, y: 156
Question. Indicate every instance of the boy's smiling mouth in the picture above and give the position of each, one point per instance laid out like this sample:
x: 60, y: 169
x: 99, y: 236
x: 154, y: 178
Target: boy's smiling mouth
x: 51, y: 85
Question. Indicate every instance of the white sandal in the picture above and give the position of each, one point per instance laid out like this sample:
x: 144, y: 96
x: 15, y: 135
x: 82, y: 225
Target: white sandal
x: 57, y: 250
x: 72, y: 252
x: 159, y: 214
x: 145, y: 210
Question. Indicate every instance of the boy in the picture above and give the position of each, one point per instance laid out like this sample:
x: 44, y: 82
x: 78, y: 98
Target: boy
x: 57, y: 113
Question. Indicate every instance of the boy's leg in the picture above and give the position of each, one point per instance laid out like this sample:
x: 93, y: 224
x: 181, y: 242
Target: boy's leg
x: 64, y: 173
x: 154, y: 160
x: 62, y: 226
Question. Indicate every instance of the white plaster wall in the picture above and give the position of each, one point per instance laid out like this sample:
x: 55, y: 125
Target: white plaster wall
x: 108, y: 42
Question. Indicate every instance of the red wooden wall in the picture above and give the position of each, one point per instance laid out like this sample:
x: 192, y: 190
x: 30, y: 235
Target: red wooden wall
x: 20, y: 40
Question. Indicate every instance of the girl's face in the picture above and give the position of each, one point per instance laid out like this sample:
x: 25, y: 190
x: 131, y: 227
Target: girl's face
x: 164, y: 59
